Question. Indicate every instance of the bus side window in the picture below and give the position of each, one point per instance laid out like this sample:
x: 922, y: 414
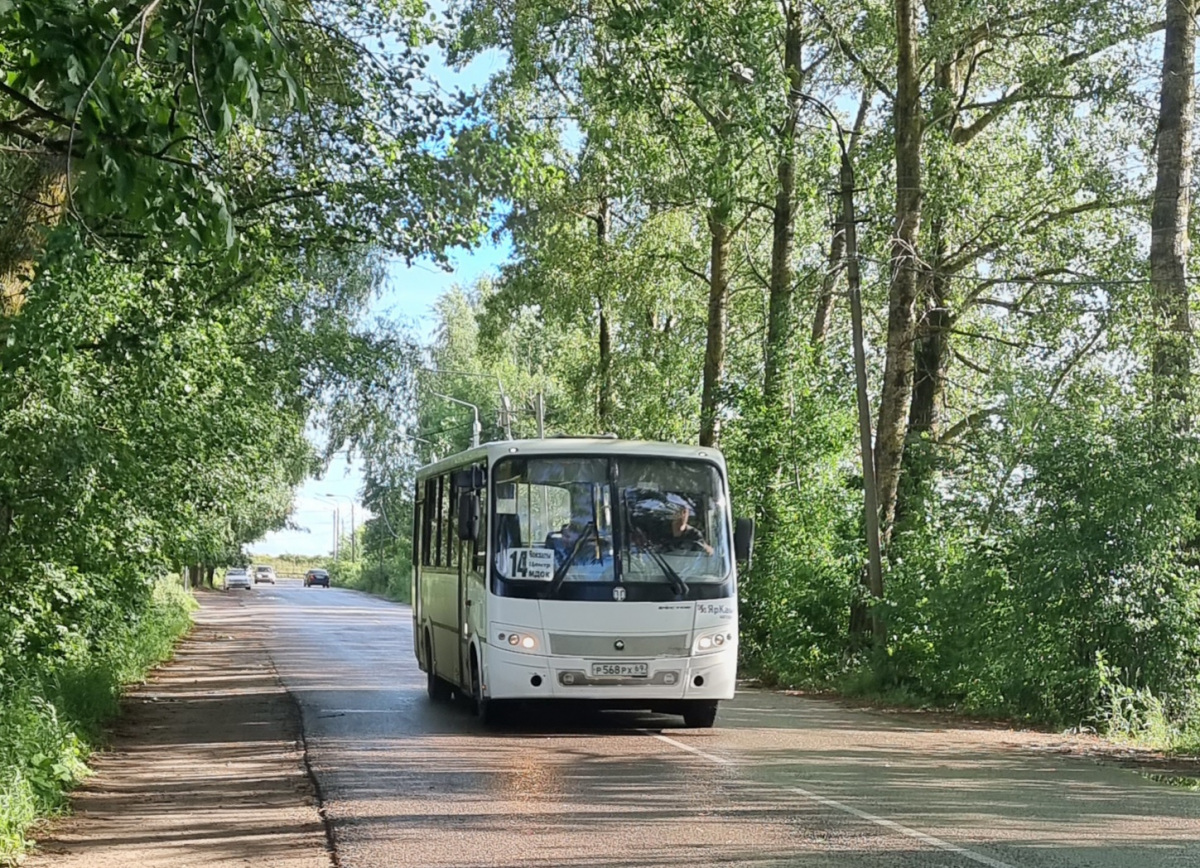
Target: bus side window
x: 440, y: 548
x: 417, y: 527
x: 480, y: 549
x: 428, y: 517
x: 452, y: 543
x: 444, y: 529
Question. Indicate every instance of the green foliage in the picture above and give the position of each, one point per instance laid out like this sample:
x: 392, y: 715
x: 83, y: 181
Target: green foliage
x: 199, y: 124
x: 390, y: 579
x: 51, y: 716
x: 201, y: 201
x: 794, y: 601
x: 1081, y: 590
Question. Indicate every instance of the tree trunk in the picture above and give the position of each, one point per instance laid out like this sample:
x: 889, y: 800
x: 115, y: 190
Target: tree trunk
x: 40, y: 192
x: 780, y: 306
x: 898, y: 370
x: 931, y: 356
x: 931, y: 359
x: 823, y: 316
x: 718, y: 314
x: 1169, y: 218
x: 931, y: 350
x: 604, y: 399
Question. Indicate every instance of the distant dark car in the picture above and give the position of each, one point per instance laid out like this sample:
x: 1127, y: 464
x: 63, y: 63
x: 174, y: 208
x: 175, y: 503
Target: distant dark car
x: 316, y: 577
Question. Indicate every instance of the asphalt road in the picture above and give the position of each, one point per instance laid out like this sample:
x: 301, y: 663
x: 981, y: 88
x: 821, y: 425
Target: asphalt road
x: 781, y: 781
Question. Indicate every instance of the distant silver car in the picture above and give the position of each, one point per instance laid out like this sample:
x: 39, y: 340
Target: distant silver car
x: 237, y: 577
x: 264, y: 573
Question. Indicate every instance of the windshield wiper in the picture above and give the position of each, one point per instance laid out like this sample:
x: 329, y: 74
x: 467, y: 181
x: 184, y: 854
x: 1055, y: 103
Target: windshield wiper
x: 678, y: 585
x: 560, y: 574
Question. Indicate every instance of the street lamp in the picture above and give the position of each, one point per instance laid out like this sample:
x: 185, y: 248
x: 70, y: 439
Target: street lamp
x: 353, y: 545
x: 336, y: 522
x: 476, y: 429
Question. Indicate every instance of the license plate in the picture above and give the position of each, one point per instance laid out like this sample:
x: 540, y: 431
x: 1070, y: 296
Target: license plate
x: 620, y: 670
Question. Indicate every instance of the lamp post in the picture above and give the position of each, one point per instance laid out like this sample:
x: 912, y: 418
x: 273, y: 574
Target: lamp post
x: 476, y: 429
x: 353, y: 543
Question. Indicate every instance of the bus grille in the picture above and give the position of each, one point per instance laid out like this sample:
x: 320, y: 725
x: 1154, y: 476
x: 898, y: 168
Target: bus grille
x: 577, y: 645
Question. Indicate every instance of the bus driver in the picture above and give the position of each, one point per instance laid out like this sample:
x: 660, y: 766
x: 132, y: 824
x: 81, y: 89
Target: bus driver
x: 684, y: 535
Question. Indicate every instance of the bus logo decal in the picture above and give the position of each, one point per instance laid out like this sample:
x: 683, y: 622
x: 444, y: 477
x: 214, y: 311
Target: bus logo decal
x: 618, y: 594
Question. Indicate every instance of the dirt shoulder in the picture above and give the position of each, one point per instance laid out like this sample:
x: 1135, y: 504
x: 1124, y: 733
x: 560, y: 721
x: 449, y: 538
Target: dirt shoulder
x: 204, y: 767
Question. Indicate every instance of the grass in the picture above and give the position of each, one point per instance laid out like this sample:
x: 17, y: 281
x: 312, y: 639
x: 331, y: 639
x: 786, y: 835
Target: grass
x: 50, y: 721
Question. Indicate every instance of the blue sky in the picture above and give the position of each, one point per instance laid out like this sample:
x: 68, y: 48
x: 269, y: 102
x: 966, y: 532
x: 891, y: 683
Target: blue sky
x: 409, y: 293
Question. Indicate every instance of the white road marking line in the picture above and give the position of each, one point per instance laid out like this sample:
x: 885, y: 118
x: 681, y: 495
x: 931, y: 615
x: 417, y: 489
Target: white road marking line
x: 905, y: 830
x: 855, y: 812
x: 708, y: 756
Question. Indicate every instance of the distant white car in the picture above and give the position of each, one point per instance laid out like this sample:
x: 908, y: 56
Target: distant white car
x: 264, y: 573
x: 237, y: 577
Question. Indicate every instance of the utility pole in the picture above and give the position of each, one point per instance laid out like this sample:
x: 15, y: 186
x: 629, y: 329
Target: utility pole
x: 506, y: 416
x: 353, y: 529
x: 871, y: 497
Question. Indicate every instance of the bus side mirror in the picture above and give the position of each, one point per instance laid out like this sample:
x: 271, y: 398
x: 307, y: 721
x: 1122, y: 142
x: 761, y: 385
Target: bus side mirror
x: 743, y: 540
x: 468, y: 516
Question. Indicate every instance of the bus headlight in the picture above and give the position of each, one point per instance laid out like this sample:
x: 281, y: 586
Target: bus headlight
x: 517, y: 640
x: 709, y: 642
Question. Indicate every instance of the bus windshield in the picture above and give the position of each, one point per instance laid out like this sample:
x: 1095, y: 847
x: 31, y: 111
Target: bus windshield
x: 619, y: 519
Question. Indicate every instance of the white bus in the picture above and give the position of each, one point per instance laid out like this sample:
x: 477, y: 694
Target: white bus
x: 588, y: 569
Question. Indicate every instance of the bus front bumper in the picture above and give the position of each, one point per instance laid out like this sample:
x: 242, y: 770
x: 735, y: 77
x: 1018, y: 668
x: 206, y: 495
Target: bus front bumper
x: 515, y: 675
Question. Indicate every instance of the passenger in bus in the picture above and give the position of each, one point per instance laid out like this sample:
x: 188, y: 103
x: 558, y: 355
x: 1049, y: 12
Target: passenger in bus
x: 592, y: 550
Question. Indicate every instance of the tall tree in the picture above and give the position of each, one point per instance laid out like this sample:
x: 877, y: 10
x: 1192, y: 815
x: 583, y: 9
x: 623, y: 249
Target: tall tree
x: 1169, y: 241
x: 896, y: 395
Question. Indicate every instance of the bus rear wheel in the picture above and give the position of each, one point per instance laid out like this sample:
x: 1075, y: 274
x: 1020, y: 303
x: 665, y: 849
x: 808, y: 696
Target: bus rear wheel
x: 439, y: 690
x: 699, y: 713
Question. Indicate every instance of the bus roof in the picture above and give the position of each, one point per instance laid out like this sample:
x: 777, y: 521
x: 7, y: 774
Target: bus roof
x: 571, y: 446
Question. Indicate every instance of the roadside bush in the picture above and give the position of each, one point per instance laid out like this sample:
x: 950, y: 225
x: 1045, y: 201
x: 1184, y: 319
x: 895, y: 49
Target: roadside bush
x: 392, y: 580
x: 1076, y: 600
x: 795, y: 477
x: 52, y: 713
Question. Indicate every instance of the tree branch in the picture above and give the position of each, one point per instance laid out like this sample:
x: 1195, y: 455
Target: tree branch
x: 1019, y: 93
x: 967, y: 422
x: 40, y: 111
x: 1033, y: 224
x: 852, y: 55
